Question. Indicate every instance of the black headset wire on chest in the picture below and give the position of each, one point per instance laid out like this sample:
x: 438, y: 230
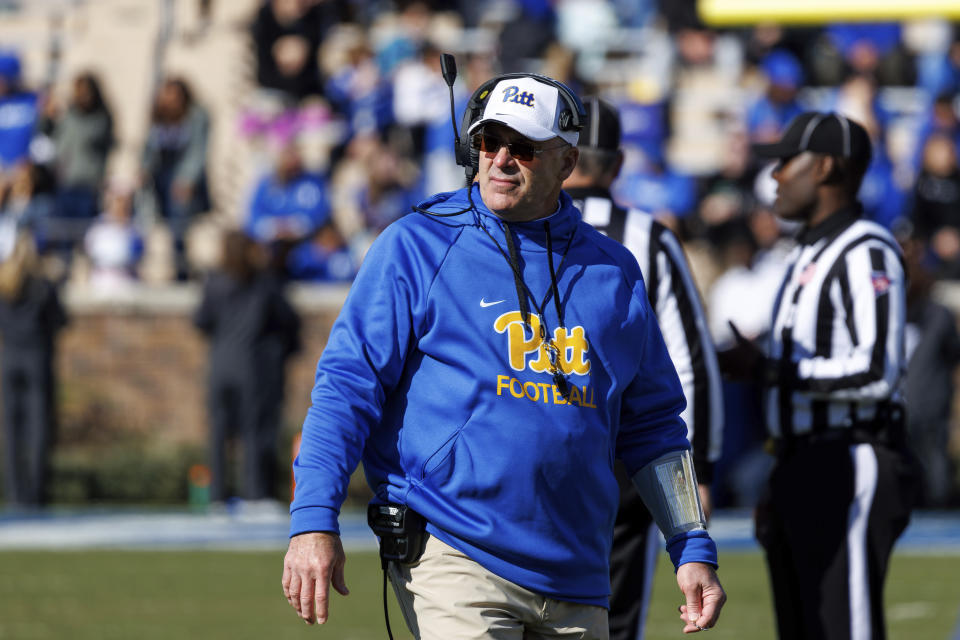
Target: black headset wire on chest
x: 523, y: 291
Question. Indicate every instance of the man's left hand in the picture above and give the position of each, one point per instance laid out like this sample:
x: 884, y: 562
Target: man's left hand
x: 704, y: 594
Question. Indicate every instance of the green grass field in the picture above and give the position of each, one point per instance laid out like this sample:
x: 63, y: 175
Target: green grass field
x: 123, y: 595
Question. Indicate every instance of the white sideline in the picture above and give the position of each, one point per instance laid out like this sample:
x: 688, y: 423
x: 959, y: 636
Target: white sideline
x: 263, y: 526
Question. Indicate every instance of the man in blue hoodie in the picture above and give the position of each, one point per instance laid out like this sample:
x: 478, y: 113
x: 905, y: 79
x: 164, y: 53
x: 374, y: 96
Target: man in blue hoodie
x: 494, y: 357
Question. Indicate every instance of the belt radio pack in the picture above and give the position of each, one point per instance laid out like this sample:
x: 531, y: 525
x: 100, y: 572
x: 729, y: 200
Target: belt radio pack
x: 401, y: 532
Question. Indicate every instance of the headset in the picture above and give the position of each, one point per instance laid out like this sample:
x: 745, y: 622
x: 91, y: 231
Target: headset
x: 571, y: 118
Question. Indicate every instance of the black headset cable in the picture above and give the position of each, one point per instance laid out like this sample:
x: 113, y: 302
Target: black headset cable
x: 386, y: 613
x: 523, y: 290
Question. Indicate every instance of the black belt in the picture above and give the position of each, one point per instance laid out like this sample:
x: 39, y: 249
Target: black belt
x: 887, y: 427
x: 781, y: 447
x: 885, y: 433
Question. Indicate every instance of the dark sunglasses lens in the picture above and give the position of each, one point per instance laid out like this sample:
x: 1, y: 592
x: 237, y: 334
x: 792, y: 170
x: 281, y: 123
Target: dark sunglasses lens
x: 489, y: 143
x: 521, y: 150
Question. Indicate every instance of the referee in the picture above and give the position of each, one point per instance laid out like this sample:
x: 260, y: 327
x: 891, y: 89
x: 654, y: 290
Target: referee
x: 676, y: 302
x: 843, y: 484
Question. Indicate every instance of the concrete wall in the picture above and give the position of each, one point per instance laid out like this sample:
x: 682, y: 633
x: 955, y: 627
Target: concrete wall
x: 132, y: 368
x: 134, y: 365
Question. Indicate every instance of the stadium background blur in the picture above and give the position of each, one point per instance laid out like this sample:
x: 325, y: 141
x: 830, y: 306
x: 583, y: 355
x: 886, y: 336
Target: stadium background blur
x: 311, y: 125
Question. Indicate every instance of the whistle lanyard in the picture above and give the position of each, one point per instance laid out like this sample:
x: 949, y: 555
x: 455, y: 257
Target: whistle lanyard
x: 524, y: 294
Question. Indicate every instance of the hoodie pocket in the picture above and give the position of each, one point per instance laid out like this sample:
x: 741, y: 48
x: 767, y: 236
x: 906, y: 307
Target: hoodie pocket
x: 437, y: 458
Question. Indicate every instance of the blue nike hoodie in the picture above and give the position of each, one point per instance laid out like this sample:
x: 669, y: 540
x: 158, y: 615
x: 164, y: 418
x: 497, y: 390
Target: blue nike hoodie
x: 431, y: 379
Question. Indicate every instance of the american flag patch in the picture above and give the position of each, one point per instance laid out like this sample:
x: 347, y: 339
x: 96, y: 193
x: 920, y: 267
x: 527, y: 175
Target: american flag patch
x: 881, y: 282
x: 807, y: 274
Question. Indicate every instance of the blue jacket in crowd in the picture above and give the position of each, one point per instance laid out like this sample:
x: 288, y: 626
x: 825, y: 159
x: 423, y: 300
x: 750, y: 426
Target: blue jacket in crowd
x: 431, y: 379
x: 18, y: 117
x: 294, y: 208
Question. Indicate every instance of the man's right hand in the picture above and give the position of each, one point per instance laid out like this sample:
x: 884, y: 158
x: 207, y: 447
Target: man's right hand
x: 313, y: 562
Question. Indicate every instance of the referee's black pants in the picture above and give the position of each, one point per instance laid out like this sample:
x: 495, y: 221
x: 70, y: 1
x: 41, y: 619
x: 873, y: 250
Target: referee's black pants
x: 828, y: 521
x: 636, y: 544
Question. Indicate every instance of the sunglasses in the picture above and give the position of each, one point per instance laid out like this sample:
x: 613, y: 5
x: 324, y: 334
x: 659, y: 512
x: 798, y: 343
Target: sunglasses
x: 520, y: 150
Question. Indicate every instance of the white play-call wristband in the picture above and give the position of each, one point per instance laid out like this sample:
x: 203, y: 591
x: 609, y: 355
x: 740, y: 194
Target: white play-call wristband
x: 668, y: 486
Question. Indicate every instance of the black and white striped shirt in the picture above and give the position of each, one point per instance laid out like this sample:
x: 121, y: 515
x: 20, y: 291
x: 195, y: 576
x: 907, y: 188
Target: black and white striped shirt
x: 838, y: 329
x: 675, y: 300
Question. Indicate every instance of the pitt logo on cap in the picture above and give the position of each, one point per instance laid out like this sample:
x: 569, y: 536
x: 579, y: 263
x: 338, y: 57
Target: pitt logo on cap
x: 512, y: 94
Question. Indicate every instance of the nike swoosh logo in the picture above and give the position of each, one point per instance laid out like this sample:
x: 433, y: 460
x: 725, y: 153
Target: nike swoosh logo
x: 485, y: 304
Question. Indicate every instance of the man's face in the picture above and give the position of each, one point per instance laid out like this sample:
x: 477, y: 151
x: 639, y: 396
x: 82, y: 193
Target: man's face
x: 797, y: 183
x: 523, y: 189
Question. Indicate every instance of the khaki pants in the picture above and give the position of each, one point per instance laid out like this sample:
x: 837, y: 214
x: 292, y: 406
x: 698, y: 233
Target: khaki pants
x: 447, y: 596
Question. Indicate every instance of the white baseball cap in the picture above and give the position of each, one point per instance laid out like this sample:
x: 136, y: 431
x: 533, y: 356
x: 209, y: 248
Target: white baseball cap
x: 529, y: 107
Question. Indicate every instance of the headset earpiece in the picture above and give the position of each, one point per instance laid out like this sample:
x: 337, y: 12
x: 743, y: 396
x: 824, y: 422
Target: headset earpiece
x: 462, y: 150
x: 474, y: 167
x: 466, y: 155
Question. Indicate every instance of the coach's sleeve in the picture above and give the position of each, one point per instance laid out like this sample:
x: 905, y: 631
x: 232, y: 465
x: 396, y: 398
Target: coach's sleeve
x: 650, y: 423
x: 651, y: 426
x: 363, y: 359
